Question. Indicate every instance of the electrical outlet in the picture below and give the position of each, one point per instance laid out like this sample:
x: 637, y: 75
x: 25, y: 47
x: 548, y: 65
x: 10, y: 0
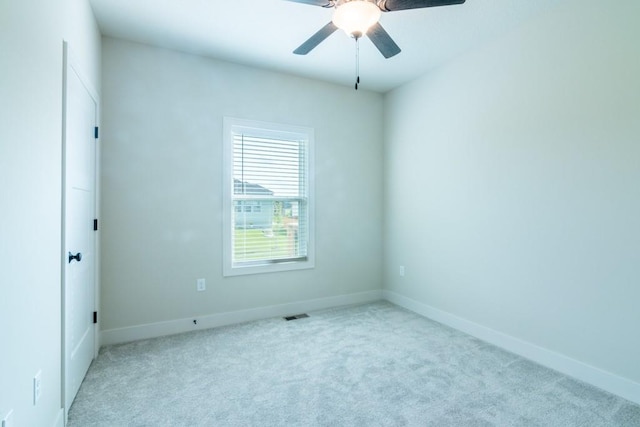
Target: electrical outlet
x: 402, y: 271
x: 7, y: 421
x: 37, y: 387
x: 201, y: 285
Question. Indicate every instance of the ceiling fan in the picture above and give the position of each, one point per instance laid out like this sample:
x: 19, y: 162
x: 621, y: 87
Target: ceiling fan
x: 360, y: 17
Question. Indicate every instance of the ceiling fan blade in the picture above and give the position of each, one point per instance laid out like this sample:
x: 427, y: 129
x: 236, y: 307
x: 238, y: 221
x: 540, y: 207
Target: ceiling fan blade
x: 383, y: 41
x: 392, y: 5
x: 322, y: 3
x: 316, y: 39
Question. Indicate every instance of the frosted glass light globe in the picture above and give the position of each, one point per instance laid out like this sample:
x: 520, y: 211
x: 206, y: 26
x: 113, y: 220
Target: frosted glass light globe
x: 356, y: 17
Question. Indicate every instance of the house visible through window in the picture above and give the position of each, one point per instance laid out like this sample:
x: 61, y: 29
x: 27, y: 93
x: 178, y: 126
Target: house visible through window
x: 268, y: 197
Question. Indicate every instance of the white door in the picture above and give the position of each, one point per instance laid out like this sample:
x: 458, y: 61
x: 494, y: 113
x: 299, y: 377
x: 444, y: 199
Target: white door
x: 79, y: 181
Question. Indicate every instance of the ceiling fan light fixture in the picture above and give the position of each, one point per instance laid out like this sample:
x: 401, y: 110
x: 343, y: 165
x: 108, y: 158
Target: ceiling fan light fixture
x: 356, y: 17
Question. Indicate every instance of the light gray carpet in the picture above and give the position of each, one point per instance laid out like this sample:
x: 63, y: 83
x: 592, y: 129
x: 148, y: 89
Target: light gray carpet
x: 370, y: 365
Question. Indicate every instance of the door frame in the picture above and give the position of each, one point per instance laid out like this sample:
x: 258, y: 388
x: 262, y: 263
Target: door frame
x: 71, y: 64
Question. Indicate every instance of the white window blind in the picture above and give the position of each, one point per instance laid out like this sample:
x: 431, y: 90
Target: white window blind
x: 269, y: 198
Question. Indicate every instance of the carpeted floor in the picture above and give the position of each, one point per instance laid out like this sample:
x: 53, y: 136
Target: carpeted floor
x: 370, y: 365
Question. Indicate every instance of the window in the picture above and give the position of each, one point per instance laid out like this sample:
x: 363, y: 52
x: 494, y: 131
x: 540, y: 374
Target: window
x: 268, y: 197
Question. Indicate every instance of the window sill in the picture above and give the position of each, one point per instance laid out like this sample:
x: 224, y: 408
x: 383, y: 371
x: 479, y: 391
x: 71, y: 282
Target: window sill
x: 242, y: 270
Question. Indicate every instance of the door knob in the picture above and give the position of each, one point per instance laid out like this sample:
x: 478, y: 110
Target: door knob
x: 77, y: 257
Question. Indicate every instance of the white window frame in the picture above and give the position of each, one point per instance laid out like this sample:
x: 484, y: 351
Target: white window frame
x: 271, y: 130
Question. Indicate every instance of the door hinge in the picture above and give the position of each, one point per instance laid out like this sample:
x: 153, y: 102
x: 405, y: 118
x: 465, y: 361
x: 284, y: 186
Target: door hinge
x: 95, y: 225
x: 95, y: 132
x: 95, y: 317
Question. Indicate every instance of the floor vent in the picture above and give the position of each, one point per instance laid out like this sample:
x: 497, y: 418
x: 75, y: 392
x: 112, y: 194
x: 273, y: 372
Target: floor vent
x: 297, y: 316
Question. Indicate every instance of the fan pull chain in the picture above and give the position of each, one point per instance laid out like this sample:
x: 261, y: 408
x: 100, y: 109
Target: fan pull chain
x: 357, y: 62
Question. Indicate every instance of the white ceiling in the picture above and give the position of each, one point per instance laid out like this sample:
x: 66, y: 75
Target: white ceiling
x: 263, y: 33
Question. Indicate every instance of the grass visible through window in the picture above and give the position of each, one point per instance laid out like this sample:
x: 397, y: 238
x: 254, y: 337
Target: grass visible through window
x: 254, y: 244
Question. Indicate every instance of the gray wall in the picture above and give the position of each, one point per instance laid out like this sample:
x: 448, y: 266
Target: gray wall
x: 162, y: 182
x: 512, y: 189
x: 31, y: 35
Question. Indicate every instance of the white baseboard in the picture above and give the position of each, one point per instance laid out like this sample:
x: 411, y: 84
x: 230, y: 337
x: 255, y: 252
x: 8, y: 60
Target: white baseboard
x: 152, y: 330
x: 59, y: 419
x: 612, y: 383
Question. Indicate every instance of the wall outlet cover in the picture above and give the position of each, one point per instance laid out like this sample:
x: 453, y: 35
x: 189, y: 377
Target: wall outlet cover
x: 37, y: 387
x: 201, y: 285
